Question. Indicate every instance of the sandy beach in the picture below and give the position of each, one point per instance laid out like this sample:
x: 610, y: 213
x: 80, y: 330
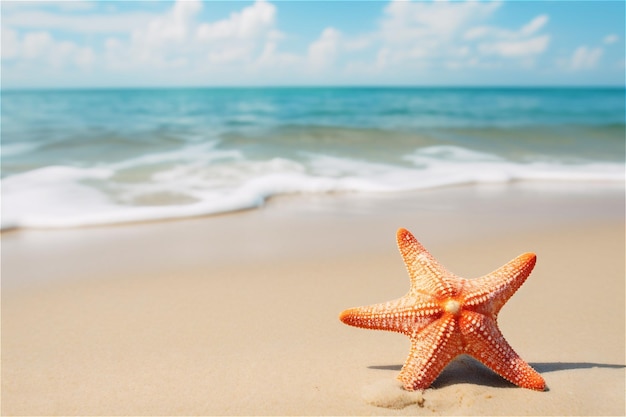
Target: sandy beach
x: 238, y: 314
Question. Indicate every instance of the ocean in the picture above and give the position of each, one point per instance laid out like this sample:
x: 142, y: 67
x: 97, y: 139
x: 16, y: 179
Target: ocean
x: 104, y: 156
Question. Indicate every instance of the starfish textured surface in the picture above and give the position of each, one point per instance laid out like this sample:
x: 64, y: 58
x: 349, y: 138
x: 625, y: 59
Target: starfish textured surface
x: 445, y: 316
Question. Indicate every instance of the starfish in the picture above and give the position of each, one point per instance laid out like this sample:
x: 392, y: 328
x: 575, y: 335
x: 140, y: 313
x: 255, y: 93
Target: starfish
x: 445, y: 316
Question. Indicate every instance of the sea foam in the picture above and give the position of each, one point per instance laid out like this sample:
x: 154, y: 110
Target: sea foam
x: 200, y: 180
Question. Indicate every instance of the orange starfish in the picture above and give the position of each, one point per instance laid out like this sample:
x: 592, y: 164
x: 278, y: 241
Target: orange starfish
x: 446, y: 316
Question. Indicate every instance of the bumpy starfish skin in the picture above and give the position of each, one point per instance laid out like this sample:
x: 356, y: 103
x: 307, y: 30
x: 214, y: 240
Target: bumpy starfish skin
x: 446, y: 316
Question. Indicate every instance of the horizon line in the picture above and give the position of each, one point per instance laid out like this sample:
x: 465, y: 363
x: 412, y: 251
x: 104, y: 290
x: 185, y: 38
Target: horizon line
x: 319, y: 86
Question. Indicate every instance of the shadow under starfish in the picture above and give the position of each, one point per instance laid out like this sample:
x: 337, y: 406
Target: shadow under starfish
x: 466, y: 369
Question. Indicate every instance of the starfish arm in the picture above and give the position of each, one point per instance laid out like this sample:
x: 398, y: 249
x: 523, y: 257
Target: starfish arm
x: 431, y: 350
x: 406, y: 315
x: 489, y: 293
x: 484, y: 341
x: 427, y: 275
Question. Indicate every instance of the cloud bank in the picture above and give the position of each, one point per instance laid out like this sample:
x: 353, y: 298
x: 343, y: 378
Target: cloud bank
x: 181, y: 45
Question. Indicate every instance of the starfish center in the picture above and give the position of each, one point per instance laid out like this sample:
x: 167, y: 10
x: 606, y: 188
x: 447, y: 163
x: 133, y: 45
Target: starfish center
x: 452, y: 307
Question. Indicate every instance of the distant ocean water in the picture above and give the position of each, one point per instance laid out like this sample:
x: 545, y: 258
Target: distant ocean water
x: 88, y: 157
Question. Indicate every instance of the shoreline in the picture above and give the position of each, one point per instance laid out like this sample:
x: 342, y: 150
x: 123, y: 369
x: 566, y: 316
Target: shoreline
x: 437, y: 216
x: 237, y: 314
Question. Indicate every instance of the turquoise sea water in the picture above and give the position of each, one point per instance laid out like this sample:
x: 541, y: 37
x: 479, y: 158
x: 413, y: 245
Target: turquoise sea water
x: 81, y: 157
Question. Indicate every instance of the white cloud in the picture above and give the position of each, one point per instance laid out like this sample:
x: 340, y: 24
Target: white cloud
x: 534, y: 25
x: 323, y: 51
x: 253, y: 21
x: 496, y: 33
x: 84, y: 57
x: 585, y: 58
x: 609, y: 39
x: 244, y: 36
x: 420, y: 34
x: 35, y: 44
x: 10, y: 44
x: 408, y: 21
x: 40, y: 48
x: 174, y: 26
x: 511, y: 44
x: 516, y: 48
x: 163, y: 39
x: 450, y: 34
x: 326, y: 51
x: 115, y: 53
x: 177, y: 39
x: 358, y: 43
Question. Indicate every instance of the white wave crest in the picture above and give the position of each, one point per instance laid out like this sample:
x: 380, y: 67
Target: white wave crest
x: 202, y: 180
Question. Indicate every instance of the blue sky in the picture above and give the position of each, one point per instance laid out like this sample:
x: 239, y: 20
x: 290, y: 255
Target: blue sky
x: 263, y: 42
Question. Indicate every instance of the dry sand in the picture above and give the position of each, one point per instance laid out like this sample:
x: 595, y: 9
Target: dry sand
x: 238, y: 314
